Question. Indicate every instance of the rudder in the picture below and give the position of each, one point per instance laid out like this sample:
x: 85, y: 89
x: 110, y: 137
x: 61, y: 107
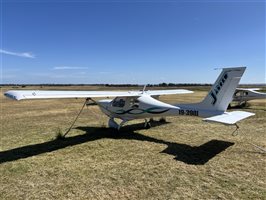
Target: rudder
x: 222, y: 91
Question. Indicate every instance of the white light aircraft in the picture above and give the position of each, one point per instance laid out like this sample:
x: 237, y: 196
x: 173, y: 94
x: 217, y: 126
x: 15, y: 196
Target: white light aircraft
x: 242, y: 95
x: 130, y: 105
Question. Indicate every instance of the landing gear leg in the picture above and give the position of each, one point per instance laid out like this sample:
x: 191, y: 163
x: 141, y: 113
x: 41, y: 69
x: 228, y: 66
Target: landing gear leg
x: 151, y: 120
x: 242, y: 104
x: 121, y: 124
x: 147, y: 124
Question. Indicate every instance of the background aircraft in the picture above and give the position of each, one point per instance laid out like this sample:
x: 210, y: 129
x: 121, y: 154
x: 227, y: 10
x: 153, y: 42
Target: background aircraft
x: 130, y: 105
x: 242, y: 95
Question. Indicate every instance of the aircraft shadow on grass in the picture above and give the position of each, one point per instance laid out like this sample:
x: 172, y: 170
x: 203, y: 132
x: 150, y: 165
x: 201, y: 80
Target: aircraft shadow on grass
x: 194, y: 155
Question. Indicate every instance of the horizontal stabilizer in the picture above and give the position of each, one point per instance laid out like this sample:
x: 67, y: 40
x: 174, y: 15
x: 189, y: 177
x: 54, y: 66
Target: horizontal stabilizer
x: 229, y: 118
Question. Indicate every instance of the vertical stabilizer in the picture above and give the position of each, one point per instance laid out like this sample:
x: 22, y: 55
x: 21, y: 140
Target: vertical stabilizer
x: 222, y: 91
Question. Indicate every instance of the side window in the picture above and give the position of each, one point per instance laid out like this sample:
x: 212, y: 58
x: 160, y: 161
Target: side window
x: 118, y: 102
x: 238, y: 94
x: 134, y: 103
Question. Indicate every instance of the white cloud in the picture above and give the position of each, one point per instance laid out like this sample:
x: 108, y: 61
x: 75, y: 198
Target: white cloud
x: 23, y: 54
x: 68, y: 67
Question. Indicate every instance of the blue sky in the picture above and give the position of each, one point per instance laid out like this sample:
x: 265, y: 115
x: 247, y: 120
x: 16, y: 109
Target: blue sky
x: 130, y: 42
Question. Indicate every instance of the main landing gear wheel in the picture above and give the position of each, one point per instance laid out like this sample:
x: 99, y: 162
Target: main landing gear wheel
x: 112, y: 124
x: 162, y: 119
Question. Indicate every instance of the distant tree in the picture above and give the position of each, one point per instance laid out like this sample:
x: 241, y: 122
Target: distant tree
x: 163, y: 84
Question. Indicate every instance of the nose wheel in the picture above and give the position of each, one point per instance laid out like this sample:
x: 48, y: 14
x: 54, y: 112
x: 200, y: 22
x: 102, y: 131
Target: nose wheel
x: 113, y: 124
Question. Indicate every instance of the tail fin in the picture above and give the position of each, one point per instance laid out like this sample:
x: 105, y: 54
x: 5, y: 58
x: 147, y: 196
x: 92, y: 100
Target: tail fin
x: 222, y: 91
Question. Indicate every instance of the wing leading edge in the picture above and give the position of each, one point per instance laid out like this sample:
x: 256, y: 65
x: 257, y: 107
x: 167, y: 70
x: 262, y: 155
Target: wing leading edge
x: 57, y: 94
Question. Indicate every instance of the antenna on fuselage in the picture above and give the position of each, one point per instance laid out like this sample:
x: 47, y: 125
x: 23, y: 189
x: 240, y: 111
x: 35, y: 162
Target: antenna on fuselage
x: 144, y: 88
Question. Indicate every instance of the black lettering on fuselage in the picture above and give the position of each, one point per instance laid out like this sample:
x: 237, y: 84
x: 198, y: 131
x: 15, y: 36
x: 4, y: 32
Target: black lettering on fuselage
x: 214, y: 98
x: 218, y: 88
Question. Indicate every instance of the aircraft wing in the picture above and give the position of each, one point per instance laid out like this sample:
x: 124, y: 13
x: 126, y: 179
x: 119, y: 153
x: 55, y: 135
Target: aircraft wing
x: 247, y: 89
x: 167, y: 92
x: 56, y: 94
x: 229, y: 118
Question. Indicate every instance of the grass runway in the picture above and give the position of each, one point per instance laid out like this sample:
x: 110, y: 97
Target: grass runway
x: 183, y: 158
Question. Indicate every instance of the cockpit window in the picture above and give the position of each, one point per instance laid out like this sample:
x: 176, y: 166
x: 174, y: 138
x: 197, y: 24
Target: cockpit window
x: 134, y: 103
x: 237, y: 94
x: 118, y: 102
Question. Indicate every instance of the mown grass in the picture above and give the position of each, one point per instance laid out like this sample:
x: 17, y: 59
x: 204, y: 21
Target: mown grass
x: 184, y: 158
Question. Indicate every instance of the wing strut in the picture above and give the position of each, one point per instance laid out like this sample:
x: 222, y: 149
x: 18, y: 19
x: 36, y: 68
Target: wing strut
x: 86, y: 101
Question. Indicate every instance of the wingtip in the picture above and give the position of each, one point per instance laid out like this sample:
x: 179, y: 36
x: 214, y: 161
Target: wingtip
x: 12, y: 95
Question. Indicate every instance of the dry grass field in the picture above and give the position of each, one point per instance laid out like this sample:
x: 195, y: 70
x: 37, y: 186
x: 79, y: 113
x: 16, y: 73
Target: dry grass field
x: 183, y: 158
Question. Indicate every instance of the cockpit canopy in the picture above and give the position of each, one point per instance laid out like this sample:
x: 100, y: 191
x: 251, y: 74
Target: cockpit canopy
x: 125, y: 101
x: 119, y: 102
